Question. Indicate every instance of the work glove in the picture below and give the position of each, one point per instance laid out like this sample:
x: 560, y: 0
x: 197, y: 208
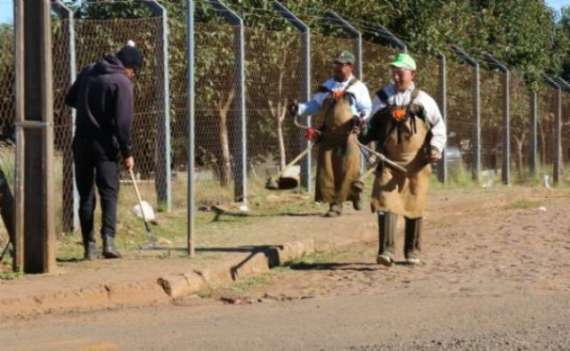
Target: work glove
x: 434, y: 156
x: 293, y: 108
x: 312, y: 134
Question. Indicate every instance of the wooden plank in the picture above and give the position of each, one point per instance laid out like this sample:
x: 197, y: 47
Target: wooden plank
x: 39, y: 229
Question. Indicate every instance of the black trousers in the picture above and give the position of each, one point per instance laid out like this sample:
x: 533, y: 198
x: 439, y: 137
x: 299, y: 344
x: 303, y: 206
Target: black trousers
x: 97, y: 165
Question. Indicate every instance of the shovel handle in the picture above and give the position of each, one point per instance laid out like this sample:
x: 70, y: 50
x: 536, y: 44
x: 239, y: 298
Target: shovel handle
x: 134, y: 180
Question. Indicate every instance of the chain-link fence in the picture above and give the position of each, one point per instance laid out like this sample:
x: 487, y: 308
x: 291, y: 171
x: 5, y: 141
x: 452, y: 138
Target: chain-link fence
x: 99, y: 37
x: 216, y: 113
x: 521, y: 115
x: 274, y: 67
x: 491, y: 122
x: 428, y: 76
x: 376, y: 59
x: 565, y: 133
x: 63, y: 124
x: 272, y: 140
x: 546, y: 122
x: 461, y: 120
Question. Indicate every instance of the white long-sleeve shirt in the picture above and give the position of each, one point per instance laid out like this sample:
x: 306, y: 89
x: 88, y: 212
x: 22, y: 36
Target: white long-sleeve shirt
x: 433, y: 115
x: 362, y: 105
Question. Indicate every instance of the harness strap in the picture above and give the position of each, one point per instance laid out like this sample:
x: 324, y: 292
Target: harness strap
x: 383, y: 96
x: 324, y: 89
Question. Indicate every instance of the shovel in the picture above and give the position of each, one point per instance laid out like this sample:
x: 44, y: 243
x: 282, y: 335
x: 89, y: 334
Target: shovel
x: 151, y: 238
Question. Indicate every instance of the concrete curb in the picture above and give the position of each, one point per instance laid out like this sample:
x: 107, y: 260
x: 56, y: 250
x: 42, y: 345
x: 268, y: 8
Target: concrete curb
x: 99, y: 297
x: 168, y: 287
x: 255, y: 264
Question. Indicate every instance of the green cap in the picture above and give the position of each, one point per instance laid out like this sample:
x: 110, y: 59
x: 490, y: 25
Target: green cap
x: 345, y: 57
x: 404, y: 61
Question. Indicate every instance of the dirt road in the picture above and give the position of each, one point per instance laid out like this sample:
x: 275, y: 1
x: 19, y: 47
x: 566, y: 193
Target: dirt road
x: 496, y: 276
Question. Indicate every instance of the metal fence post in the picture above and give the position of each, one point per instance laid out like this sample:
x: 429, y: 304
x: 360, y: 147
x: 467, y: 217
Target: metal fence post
x: 191, y: 137
x: 557, y: 167
x: 533, y: 142
x: 443, y: 103
x: 355, y: 33
x: 565, y: 88
x: 558, y: 139
x: 163, y: 182
x: 18, y: 261
x: 305, y: 88
x: 476, y: 108
x: 240, y: 147
x: 70, y: 210
x: 506, y: 169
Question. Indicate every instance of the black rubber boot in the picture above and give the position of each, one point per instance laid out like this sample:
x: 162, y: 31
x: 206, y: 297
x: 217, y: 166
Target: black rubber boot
x: 357, y: 204
x: 109, y: 250
x: 412, y: 245
x: 386, y: 229
x: 89, y: 246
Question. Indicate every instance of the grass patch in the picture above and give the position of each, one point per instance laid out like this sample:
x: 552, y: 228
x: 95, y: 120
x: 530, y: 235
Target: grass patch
x: 318, y: 257
x: 172, y: 226
x: 523, y: 205
x: 249, y: 283
x: 10, y: 275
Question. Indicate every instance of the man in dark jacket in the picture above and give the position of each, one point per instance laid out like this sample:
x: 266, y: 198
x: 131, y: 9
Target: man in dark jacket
x: 103, y: 97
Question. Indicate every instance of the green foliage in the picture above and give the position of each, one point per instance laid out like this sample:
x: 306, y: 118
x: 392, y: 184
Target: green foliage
x: 525, y: 34
x: 6, y: 45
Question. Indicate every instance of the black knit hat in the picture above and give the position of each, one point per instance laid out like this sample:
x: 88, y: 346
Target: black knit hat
x: 130, y: 56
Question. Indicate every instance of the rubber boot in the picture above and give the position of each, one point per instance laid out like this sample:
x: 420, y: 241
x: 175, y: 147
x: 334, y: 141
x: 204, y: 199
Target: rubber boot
x: 412, y: 244
x: 335, y: 210
x: 90, y: 247
x: 386, y: 229
x: 357, y: 188
x: 109, y: 250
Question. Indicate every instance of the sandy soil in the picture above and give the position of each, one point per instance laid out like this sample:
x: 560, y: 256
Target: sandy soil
x: 495, y: 277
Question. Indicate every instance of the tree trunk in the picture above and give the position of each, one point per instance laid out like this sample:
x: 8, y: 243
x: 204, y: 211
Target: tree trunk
x: 542, y: 160
x: 519, y: 142
x: 281, y: 138
x: 225, y: 161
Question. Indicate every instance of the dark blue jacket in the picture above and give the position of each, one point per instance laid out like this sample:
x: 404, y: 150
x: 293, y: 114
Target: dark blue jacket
x: 103, y: 97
